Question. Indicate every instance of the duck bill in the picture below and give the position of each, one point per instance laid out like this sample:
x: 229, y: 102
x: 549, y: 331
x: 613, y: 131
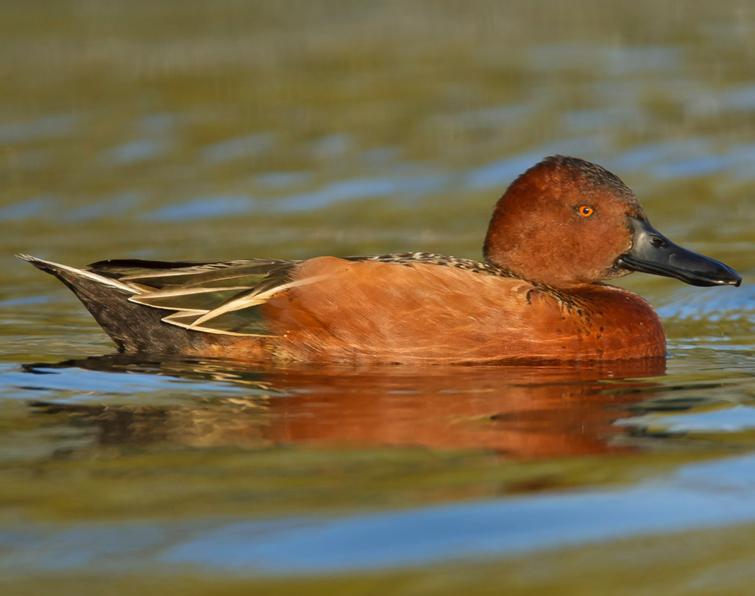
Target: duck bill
x: 652, y: 252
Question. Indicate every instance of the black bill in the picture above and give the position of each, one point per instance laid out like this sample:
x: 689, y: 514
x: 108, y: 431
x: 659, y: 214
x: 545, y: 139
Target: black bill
x: 652, y: 252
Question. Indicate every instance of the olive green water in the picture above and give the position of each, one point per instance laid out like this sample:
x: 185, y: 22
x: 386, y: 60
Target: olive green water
x: 289, y: 129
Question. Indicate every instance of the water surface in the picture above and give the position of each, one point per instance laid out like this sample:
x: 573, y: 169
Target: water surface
x: 293, y: 129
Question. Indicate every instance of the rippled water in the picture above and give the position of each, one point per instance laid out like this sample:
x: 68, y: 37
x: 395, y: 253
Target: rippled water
x: 292, y: 129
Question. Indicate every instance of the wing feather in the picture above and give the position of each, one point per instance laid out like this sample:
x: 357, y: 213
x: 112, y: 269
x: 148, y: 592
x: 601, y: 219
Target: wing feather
x: 253, y: 298
x: 194, y: 294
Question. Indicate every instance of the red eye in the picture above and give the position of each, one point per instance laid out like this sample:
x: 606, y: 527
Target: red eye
x: 585, y: 210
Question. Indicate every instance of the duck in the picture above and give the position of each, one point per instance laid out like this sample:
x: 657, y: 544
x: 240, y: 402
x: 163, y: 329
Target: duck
x: 560, y: 232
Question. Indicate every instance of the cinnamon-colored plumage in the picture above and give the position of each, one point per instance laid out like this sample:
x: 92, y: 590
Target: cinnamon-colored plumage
x: 559, y: 230
x: 420, y: 312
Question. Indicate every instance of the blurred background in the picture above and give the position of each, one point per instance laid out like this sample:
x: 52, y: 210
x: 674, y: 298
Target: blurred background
x: 237, y: 129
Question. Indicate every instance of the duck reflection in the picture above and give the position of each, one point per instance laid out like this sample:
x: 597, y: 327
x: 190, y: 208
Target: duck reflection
x: 518, y: 411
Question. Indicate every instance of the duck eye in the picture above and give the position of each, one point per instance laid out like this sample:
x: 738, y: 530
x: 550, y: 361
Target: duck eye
x: 585, y: 210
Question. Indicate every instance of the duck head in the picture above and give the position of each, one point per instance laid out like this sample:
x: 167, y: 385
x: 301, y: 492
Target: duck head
x: 567, y: 222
